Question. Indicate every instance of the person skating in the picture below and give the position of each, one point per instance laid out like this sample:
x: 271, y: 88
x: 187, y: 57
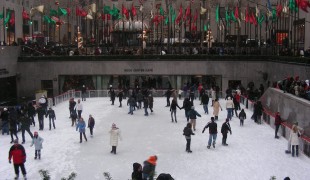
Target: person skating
x: 25, y: 121
x: 187, y: 132
x: 193, y: 116
x: 212, y: 131
x: 37, y: 141
x: 295, y: 134
x: 72, y: 104
x: 137, y: 172
x: 242, y: 117
x: 278, y: 121
x: 173, y: 110
x: 120, y: 97
x: 224, y: 130
x: 5, y: 121
x: 168, y: 95
x: 41, y: 113
x: 52, y: 117
x: 112, y: 94
x: 187, y: 105
x: 81, y: 127
x: 205, y: 101
x: 18, y: 153
x: 151, y: 102
x: 216, y: 108
x: 83, y: 90
x: 91, y: 124
x: 236, y: 100
x: 74, y: 116
x: 13, y: 124
x: 229, y: 107
x: 139, y: 99
x: 149, y: 166
x: 145, y: 106
x: 31, y: 113
x: 132, y: 103
x: 115, y: 134
x: 258, y: 112
x: 79, y: 108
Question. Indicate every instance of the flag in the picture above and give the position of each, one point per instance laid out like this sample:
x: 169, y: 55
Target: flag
x: 106, y: 9
x: 77, y: 11
x: 227, y: 17
x: 133, y: 11
x: 68, y: 11
x: 285, y: 8
x: 233, y: 17
x: 195, y: 17
x: 12, y: 19
x: 167, y: 20
x: 202, y: 10
x: 25, y: 15
x: 62, y: 12
x: 179, y: 15
x: 236, y: 13
x: 269, y: 5
x: 173, y: 15
x: 303, y: 5
x: 187, y: 12
x: 260, y: 20
x: 257, y: 11
x: 1, y: 15
x: 217, y: 13
x: 53, y: 12
x: 141, y: 8
x: 253, y: 19
x: 83, y: 13
x: 8, y: 17
x: 125, y: 12
x: 279, y: 10
x: 161, y: 11
x: 48, y: 19
x: 247, y: 16
x: 93, y: 8
x: 115, y: 13
x: 205, y: 28
x: 292, y: 5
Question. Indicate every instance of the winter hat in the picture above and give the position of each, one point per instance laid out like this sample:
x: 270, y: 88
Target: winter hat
x: 5, y: 109
x: 152, y: 160
x: 35, y: 133
x: 212, y: 118
x: 113, y: 125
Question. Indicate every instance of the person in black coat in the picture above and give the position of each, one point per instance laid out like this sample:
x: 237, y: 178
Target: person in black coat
x: 187, y: 132
x: 258, y: 112
x: 74, y: 117
x: 137, y: 172
x: 91, y: 124
x: 168, y: 95
x: 112, y: 94
x: 13, y: 123
x: 83, y: 93
x: 120, y: 97
x: 52, y: 117
x: 224, y: 130
x: 187, y: 106
x: 173, y: 110
x: 72, y: 104
x: 145, y: 105
x: 31, y: 113
x: 212, y: 131
x: 41, y: 113
x: 25, y: 121
x: 5, y: 121
x: 242, y: 117
x: 205, y: 101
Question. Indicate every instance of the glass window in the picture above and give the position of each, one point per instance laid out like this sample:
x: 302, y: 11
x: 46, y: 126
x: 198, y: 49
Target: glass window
x: 35, y: 25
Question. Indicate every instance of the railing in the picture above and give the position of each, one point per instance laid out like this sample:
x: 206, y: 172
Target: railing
x: 269, y: 118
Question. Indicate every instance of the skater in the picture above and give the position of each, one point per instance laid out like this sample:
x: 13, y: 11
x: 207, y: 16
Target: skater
x: 81, y: 127
x: 41, y: 113
x: 25, y: 121
x: 213, y: 95
x: 139, y: 99
x: 31, y: 113
x: 115, y: 134
x: 242, y: 117
x: 193, y: 116
x: 84, y: 93
x: 205, y: 101
x: 151, y: 102
x: 18, y: 153
x: 236, y: 100
x: 149, y: 168
x: 224, y: 130
x: 187, y: 132
x: 52, y: 117
x: 258, y: 112
x: 216, y: 108
x: 112, y: 94
x: 187, y: 105
x: 294, y: 139
x: 212, y: 131
x: 79, y: 108
x: 145, y: 106
x: 229, y: 107
x: 137, y: 171
x: 132, y: 103
x: 91, y: 124
x: 120, y: 97
x: 5, y: 121
x: 168, y: 95
x: 73, y: 118
x: 173, y: 110
x: 37, y: 142
x: 72, y: 104
x: 13, y: 124
x: 278, y: 121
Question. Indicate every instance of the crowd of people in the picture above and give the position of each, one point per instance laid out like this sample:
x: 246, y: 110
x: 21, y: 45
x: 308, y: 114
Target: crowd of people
x: 294, y: 85
x: 23, y: 117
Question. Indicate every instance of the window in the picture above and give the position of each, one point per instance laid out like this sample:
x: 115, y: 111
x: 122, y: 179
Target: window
x: 35, y: 25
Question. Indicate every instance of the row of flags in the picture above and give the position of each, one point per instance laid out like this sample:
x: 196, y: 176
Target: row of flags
x: 108, y: 13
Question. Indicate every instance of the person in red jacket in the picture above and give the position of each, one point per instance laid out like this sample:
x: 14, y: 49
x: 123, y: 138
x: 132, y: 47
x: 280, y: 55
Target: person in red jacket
x: 17, y: 152
x: 278, y: 121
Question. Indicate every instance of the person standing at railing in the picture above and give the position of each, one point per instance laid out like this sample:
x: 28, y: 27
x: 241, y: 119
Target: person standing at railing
x: 278, y: 121
x: 79, y: 108
x: 83, y: 93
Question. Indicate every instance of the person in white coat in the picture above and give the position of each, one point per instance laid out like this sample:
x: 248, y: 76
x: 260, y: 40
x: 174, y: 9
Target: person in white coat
x: 37, y: 142
x: 115, y: 134
x: 294, y: 139
x: 229, y: 107
x: 79, y: 108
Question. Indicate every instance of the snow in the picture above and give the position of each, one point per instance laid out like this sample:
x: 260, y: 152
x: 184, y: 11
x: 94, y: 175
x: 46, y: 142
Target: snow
x: 253, y: 152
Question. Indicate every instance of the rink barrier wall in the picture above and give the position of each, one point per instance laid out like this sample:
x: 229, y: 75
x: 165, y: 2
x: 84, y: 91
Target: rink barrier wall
x: 284, y: 130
